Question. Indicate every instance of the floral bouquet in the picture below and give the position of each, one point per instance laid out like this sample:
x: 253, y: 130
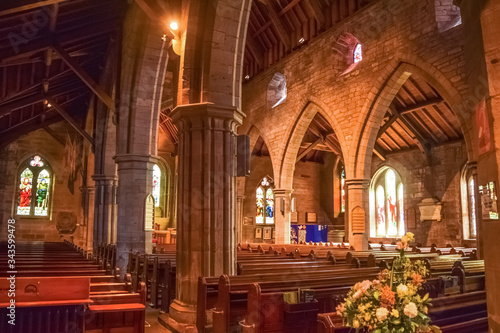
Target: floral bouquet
x: 390, y: 304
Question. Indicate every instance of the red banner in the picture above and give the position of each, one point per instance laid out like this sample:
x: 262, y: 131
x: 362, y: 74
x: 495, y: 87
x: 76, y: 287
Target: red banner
x: 483, y: 134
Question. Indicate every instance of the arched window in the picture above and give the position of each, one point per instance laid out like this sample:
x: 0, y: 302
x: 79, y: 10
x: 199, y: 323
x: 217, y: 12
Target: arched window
x: 387, y: 201
x: 161, y: 190
x: 468, y: 196
x: 357, y: 54
x: 156, y: 184
x: 264, y: 196
x: 342, y: 190
x: 34, y: 191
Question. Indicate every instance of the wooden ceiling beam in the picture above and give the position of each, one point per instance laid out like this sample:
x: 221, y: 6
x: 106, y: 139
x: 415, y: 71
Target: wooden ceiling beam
x: 97, y: 89
x: 308, y: 149
x: 315, y: 7
x: 420, y: 141
x: 254, y: 50
x: 45, y: 41
x: 418, y: 106
x: 387, y: 124
x: 155, y: 17
x: 70, y: 120
x: 377, y: 150
x: 278, y: 24
x: 29, y: 6
x: 7, y: 108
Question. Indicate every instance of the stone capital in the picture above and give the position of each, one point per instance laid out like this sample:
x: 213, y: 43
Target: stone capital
x: 281, y: 192
x: 357, y: 184
x: 104, y: 178
x: 194, y: 115
x: 133, y: 161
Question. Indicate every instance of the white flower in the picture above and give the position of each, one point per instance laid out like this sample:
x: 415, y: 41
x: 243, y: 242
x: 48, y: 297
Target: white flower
x: 411, y: 310
x: 382, y: 314
x: 402, y: 290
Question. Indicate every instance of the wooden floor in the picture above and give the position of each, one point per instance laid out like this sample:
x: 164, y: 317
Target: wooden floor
x: 152, y: 324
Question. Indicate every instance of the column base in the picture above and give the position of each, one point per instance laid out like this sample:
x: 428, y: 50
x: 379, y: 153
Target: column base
x: 182, y: 317
x: 359, y: 242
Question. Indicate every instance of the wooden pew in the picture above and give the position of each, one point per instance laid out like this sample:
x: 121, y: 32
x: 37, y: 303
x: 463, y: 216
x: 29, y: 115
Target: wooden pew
x: 231, y: 303
x: 46, y: 304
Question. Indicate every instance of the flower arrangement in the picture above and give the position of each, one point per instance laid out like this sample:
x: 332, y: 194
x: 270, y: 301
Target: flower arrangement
x: 391, y: 303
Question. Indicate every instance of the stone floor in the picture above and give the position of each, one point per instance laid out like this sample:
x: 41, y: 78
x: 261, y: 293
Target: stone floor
x: 152, y: 324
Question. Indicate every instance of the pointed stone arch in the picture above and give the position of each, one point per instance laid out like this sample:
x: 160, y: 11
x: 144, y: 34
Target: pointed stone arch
x: 296, y: 134
x: 381, y: 97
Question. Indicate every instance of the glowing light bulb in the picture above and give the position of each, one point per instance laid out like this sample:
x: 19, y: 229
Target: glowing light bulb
x: 174, y: 26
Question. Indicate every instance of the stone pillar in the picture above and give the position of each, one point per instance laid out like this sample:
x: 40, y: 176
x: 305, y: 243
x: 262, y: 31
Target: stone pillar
x: 240, y: 200
x: 88, y: 215
x: 357, y: 213
x: 135, y: 177
x: 282, y: 206
x: 104, y: 209
x: 206, y: 201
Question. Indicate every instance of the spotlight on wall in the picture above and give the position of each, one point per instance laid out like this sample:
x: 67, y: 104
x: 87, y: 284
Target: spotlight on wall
x: 174, y: 26
x: 302, y: 40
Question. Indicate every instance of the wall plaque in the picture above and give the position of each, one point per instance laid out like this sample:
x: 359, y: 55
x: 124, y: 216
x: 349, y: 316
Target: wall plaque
x: 358, y: 220
x: 489, y: 201
x: 430, y: 209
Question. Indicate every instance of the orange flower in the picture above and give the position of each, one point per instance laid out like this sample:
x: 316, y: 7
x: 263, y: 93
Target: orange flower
x: 387, y: 297
x: 416, y: 279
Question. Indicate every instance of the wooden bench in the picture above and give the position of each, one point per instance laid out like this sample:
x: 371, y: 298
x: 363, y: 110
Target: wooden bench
x: 46, y: 304
x: 231, y: 302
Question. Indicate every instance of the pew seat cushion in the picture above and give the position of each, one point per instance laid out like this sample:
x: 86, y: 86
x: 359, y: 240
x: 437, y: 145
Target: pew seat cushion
x: 117, y: 307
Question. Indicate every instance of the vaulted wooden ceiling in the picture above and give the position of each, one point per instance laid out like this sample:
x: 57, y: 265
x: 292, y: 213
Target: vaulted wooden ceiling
x: 279, y: 27
x: 51, y: 58
x: 319, y: 138
x: 418, y: 118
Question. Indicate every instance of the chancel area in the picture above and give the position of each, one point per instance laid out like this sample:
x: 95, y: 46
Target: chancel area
x: 249, y: 166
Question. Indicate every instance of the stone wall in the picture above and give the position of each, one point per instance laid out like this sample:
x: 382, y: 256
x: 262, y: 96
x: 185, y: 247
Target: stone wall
x: 440, y: 180
x: 62, y: 200
x: 394, y: 35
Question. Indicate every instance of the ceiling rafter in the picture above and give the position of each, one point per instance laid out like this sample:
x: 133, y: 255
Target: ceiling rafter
x: 315, y: 7
x: 309, y: 149
x: 70, y: 120
x: 82, y: 74
x: 278, y: 24
x: 29, y: 6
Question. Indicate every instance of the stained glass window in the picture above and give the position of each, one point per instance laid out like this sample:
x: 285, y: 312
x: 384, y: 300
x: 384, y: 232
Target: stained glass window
x: 259, y: 217
x: 401, y: 209
x: 390, y: 187
x: 35, y: 181
x: 380, y: 206
x: 25, y: 186
x: 269, y: 206
x: 472, y: 200
x: 388, y: 196
x: 342, y: 191
x: 264, y: 196
x: 156, y: 184
x: 358, y: 54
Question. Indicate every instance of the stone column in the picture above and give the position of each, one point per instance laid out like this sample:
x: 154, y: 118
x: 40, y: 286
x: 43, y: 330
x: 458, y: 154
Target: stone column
x: 88, y: 215
x: 104, y: 209
x: 357, y: 213
x: 135, y: 173
x: 240, y: 200
x: 206, y: 201
x: 282, y: 207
